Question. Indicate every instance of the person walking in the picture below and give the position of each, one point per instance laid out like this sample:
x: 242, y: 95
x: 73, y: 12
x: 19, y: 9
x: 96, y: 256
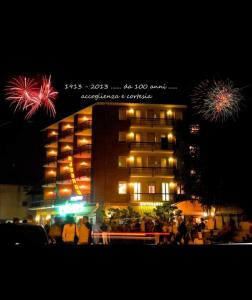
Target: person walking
x: 83, y: 232
x: 69, y: 231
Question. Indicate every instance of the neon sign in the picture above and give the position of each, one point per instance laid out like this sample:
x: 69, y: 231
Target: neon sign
x: 76, y: 198
x: 76, y: 186
x: 71, y: 208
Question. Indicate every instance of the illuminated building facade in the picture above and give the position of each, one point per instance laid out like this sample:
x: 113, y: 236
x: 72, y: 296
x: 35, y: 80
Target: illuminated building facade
x: 114, y: 154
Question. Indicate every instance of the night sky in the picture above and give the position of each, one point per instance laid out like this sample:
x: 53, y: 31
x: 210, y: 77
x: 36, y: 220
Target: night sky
x: 226, y: 146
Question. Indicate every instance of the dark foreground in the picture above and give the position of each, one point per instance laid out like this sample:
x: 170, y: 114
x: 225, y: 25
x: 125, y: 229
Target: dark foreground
x: 131, y: 256
x: 132, y: 271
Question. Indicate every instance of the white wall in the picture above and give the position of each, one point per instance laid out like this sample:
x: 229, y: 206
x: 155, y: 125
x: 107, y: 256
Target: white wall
x: 11, y: 198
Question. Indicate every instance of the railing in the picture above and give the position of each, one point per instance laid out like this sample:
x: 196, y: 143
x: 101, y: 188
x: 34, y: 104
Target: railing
x: 149, y: 197
x: 151, y: 146
x: 51, y: 139
x: 49, y: 181
x: 65, y: 154
x: 151, y: 122
x: 50, y: 159
x: 64, y: 176
x: 151, y: 171
x: 83, y: 149
x: 83, y: 125
x: 85, y: 172
x: 66, y: 133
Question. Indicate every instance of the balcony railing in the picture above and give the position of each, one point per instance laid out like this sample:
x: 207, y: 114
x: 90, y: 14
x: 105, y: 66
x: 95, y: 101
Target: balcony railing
x: 155, y: 197
x: 83, y: 149
x: 49, y: 181
x: 51, y: 139
x: 151, y: 171
x: 151, y: 146
x: 83, y: 125
x: 65, y: 154
x: 50, y: 160
x: 151, y: 122
x: 63, y: 177
x: 85, y: 172
x: 66, y: 133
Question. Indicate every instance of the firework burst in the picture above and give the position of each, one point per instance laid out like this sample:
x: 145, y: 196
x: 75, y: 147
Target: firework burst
x: 28, y: 95
x: 217, y: 100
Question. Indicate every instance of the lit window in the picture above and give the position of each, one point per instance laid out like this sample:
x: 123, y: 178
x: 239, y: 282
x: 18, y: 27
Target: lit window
x: 137, y: 191
x: 138, y: 113
x: 122, y: 161
x: 122, y: 187
x: 152, y: 189
x: 165, y: 191
x: 169, y: 113
x: 122, y: 136
x: 122, y: 114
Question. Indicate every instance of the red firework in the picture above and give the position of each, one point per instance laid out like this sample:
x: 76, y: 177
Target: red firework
x: 28, y: 96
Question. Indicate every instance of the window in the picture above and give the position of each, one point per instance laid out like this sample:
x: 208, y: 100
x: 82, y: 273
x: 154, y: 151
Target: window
x: 122, y: 187
x: 138, y: 137
x: 152, y: 188
x: 122, y: 161
x: 139, y: 161
x: 165, y: 191
x: 122, y: 114
x: 122, y: 136
x: 163, y: 162
x: 137, y: 191
x: 138, y: 113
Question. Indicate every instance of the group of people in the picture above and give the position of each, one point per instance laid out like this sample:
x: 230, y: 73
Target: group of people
x: 69, y: 232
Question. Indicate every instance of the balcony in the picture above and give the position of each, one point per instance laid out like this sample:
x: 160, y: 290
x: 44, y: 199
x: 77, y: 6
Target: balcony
x: 151, y: 146
x: 66, y: 133
x: 51, y: 160
x: 83, y: 151
x: 151, y: 171
x: 155, y: 197
x: 83, y: 125
x: 63, y: 177
x: 64, y: 155
x: 50, y: 181
x: 85, y: 172
x: 51, y: 140
x: 151, y: 122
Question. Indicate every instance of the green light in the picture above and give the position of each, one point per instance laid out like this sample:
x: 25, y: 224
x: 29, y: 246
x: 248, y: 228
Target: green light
x: 71, y: 208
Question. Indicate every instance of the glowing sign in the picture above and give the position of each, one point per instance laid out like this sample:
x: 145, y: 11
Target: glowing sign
x: 76, y: 198
x: 71, y: 208
x: 151, y: 203
x: 76, y: 187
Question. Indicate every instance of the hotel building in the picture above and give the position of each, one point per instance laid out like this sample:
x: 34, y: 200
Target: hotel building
x: 111, y: 154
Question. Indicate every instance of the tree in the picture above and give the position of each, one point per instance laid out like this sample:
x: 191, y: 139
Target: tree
x: 167, y: 212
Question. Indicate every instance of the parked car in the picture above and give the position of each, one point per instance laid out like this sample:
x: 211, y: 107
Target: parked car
x: 22, y: 234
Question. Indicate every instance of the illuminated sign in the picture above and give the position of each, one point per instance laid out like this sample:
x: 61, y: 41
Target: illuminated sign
x: 71, y: 208
x: 76, y: 186
x: 76, y: 198
x: 151, y: 203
